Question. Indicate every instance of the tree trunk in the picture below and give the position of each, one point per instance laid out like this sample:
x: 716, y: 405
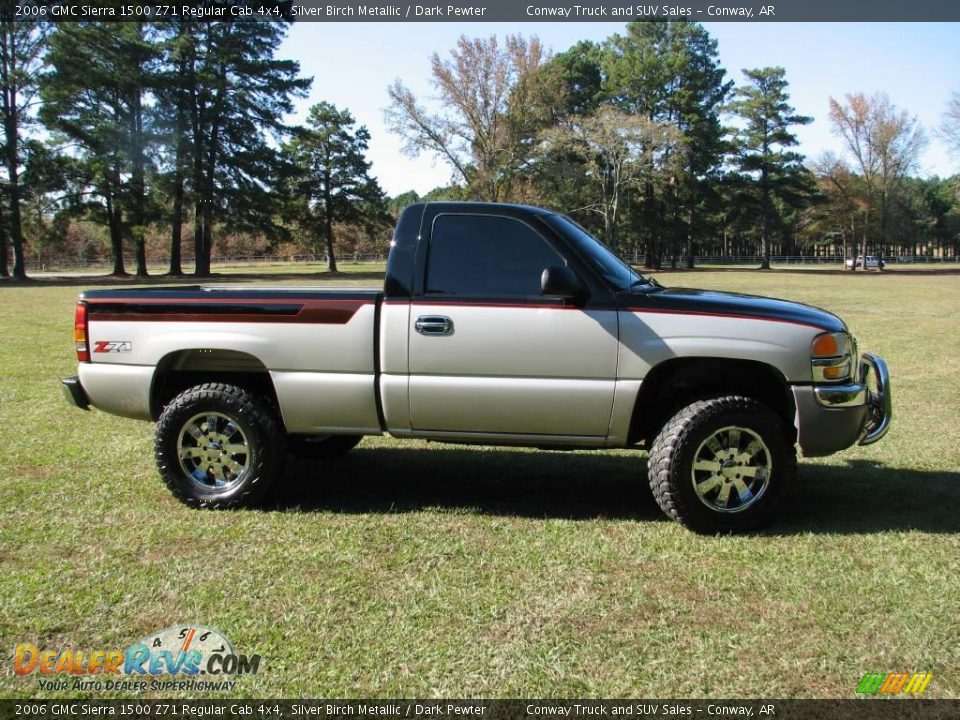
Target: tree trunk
x: 176, y: 224
x: 206, y: 205
x: 115, y: 223
x: 138, y: 183
x: 200, y: 270
x: 652, y: 227
x: 203, y: 236
x: 13, y: 185
x: 207, y: 235
x: 863, y: 242
x: 328, y: 222
x: 176, y: 234
x: 4, y: 243
x: 765, y: 221
x: 608, y: 229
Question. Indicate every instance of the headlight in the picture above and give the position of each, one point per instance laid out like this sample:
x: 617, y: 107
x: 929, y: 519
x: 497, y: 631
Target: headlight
x: 832, y: 357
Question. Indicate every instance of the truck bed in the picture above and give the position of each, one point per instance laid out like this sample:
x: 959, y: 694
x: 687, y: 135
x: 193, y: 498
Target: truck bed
x: 318, y: 346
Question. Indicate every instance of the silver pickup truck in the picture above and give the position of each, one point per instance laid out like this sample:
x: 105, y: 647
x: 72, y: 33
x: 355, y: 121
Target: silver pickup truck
x: 500, y: 325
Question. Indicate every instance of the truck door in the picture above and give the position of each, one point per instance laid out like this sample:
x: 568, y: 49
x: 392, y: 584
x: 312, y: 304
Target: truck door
x: 488, y: 353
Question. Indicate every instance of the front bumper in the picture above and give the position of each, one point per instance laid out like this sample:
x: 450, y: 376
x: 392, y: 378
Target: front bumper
x: 831, y: 418
x: 74, y: 393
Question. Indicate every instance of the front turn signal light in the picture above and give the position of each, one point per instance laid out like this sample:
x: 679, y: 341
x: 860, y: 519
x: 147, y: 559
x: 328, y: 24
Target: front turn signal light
x: 825, y: 345
x: 837, y: 372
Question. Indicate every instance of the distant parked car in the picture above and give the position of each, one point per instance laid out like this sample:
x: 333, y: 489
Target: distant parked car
x: 873, y: 261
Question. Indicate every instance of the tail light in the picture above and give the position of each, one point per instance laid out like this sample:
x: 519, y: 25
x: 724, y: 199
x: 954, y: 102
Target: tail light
x: 80, y: 332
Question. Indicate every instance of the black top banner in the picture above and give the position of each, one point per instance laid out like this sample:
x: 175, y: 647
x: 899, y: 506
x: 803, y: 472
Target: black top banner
x: 494, y: 10
x: 566, y: 709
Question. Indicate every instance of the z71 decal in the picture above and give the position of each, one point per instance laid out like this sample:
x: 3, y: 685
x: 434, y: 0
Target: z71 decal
x: 108, y: 346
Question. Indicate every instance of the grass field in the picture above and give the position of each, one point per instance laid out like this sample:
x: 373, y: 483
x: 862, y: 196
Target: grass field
x: 463, y: 571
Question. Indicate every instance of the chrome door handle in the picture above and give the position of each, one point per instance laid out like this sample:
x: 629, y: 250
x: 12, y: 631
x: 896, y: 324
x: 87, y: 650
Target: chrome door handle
x: 433, y: 325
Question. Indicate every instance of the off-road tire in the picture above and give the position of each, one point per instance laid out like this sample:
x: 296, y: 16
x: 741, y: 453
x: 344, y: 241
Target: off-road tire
x: 255, y: 417
x: 672, y: 455
x: 322, y: 447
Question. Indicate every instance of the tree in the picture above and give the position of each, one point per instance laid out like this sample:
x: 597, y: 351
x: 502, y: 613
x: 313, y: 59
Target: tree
x: 396, y: 204
x: 94, y: 98
x: 331, y: 180
x: 618, y: 152
x: 950, y: 128
x: 237, y: 93
x: 172, y: 118
x: 885, y: 143
x: 580, y: 74
x: 837, y: 214
x: 495, y: 100
x: 761, y: 145
x: 21, y: 49
x: 669, y: 71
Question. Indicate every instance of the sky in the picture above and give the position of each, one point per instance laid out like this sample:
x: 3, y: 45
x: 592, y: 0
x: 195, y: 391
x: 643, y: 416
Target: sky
x: 916, y: 64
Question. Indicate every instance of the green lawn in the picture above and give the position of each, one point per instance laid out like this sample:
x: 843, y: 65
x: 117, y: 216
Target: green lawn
x: 412, y: 570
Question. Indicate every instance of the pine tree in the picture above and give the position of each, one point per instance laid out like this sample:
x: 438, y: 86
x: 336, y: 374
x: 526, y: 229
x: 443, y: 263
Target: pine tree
x: 21, y: 48
x: 93, y: 96
x: 761, y: 146
x: 237, y: 93
x: 669, y: 72
x: 331, y: 181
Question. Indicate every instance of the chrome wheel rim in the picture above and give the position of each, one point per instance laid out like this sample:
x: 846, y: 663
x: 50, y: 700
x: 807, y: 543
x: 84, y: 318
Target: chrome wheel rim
x: 214, y: 452
x: 731, y: 469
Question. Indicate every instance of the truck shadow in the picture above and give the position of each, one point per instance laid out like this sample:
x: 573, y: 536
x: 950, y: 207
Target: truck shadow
x: 858, y: 497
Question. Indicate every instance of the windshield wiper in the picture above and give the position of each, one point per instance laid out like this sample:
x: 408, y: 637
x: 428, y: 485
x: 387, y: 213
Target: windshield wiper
x: 644, y: 281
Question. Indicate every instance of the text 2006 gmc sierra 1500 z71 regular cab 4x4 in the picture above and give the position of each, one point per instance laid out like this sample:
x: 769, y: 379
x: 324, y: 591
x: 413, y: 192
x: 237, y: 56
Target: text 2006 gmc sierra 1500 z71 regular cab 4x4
x: 497, y: 324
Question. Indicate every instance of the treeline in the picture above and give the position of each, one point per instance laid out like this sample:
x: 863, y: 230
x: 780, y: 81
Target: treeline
x: 170, y: 140
x: 645, y: 140
x: 139, y: 130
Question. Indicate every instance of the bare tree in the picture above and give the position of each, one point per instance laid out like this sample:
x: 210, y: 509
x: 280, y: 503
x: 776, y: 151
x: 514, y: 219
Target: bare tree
x: 619, y: 152
x: 885, y: 143
x: 950, y: 128
x: 494, y: 98
x: 841, y: 203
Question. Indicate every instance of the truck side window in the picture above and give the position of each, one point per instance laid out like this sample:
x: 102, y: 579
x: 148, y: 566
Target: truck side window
x: 486, y: 255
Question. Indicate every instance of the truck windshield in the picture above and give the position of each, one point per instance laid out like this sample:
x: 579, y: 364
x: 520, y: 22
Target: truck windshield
x: 615, y: 271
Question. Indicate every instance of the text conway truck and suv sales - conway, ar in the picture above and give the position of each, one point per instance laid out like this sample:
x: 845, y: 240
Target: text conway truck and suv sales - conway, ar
x: 498, y: 325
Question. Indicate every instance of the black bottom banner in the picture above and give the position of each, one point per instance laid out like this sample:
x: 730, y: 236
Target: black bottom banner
x: 854, y: 709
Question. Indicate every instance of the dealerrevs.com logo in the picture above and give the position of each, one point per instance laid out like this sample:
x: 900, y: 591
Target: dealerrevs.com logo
x: 185, y: 657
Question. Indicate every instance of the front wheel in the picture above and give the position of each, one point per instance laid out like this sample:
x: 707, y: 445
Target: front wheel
x: 218, y: 446
x: 721, y: 465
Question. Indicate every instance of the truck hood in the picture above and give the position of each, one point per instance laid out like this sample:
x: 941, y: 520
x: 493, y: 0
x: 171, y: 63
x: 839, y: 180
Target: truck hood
x: 688, y: 301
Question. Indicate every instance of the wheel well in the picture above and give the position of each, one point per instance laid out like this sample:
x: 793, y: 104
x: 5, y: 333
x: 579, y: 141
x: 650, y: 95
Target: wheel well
x: 675, y: 383
x: 183, y: 369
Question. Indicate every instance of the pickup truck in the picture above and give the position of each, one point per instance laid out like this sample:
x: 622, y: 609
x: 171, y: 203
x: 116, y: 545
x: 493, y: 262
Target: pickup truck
x: 500, y: 325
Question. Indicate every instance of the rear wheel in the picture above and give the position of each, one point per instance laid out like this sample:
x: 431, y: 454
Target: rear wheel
x: 218, y: 446
x: 721, y: 465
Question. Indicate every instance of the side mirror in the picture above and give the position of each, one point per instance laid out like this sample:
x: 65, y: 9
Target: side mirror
x: 562, y: 282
